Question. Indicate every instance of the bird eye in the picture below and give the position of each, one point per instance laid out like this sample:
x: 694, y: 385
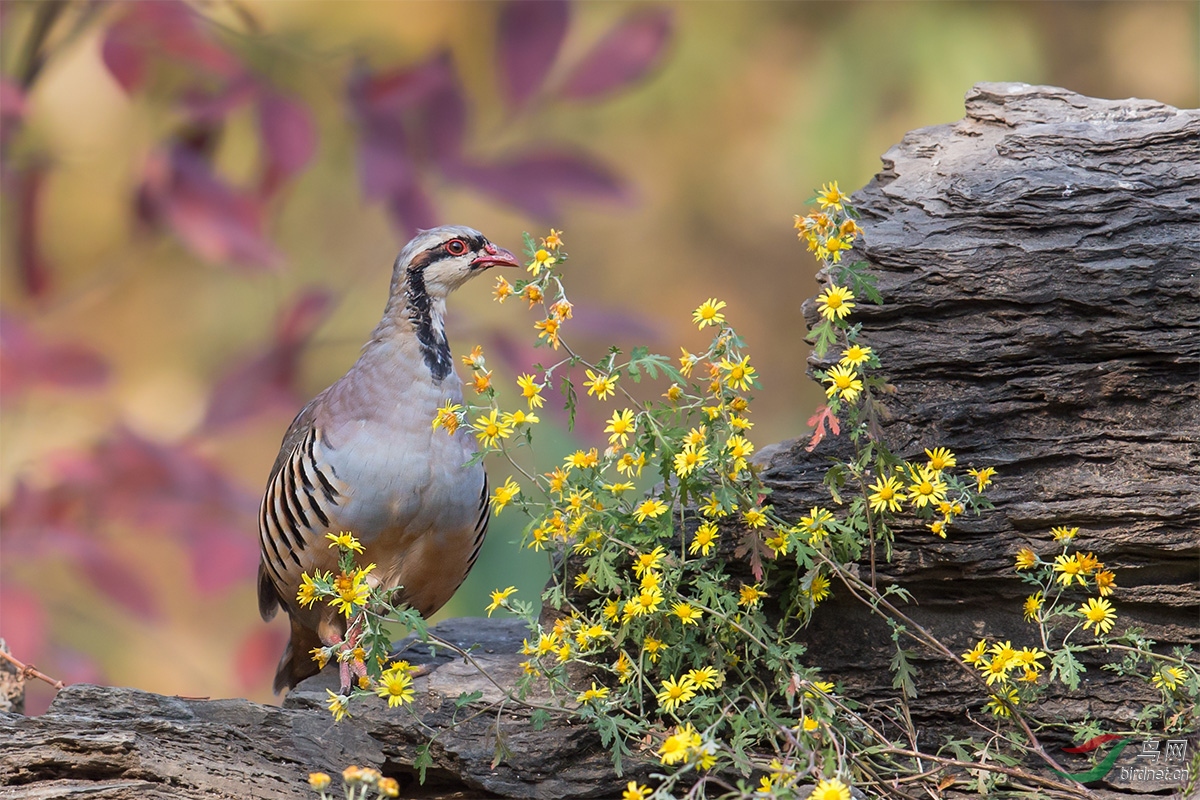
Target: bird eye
x: 456, y: 247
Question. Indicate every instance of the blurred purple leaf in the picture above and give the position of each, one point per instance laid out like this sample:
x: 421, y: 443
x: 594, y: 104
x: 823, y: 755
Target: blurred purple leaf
x: 222, y: 556
x: 441, y: 120
x: 32, y: 266
x: 166, y: 29
x: 214, y: 220
x: 535, y: 181
x: 266, y: 380
x: 23, y: 620
x: 12, y: 109
x: 528, y: 39
x: 116, y: 578
x: 412, y: 210
x: 257, y: 654
x: 211, y: 106
x: 289, y: 138
x: 407, y: 118
x: 384, y: 167
x: 626, y: 54
x: 388, y: 95
x: 27, y: 362
x: 155, y: 489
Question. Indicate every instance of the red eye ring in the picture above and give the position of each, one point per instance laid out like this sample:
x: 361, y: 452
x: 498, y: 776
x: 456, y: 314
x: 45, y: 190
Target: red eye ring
x: 456, y: 247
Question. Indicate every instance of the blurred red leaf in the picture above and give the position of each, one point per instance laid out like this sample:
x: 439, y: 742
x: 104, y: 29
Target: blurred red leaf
x: 528, y: 39
x: 222, y: 556
x: 257, y: 654
x: 289, y: 138
x: 26, y: 361
x: 32, y: 266
x: 22, y: 622
x: 117, y: 578
x: 12, y: 109
x: 214, y: 220
x: 166, y: 29
x: 626, y: 54
x: 211, y: 106
x: 158, y: 490
x: 267, y: 379
x: 534, y: 181
x: 412, y: 210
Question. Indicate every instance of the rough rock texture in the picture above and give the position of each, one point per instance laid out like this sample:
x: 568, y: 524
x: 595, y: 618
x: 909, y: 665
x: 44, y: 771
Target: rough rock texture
x: 1042, y: 315
x: 124, y: 743
x: 1038, y: 261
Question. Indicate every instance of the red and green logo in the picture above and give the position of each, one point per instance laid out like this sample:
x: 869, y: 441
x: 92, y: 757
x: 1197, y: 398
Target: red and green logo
x: 1105, y: 766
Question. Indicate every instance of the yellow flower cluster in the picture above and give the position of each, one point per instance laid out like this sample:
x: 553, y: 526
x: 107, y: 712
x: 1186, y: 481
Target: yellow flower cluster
x: 356, y: 781
x: 826, y: 236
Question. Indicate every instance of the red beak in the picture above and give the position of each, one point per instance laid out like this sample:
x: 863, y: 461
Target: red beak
x: 494, y: 257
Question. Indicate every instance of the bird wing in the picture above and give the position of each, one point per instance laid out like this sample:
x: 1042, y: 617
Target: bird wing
x: 276, y: 518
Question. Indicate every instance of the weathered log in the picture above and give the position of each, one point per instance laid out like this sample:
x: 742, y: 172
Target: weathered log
x: 1038, y: 262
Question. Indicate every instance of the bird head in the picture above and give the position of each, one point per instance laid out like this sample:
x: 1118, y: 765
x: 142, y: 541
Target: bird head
x: 442, y: 259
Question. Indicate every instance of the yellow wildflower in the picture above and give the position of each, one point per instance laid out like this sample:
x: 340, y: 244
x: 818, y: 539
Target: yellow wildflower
x: 835, y: 302
x: 709, y: 313
x: 1098, y: 613
x: 601, y: 386
x: 499, y: 596
x: 530, y: 390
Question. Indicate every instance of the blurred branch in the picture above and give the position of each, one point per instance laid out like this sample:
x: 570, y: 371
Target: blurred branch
x: 29, y: 671
x: 32, y: 58
x: 35, y: 56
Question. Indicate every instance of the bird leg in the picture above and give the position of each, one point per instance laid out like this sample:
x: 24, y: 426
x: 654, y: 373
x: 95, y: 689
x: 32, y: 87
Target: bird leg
x: 350, y: 665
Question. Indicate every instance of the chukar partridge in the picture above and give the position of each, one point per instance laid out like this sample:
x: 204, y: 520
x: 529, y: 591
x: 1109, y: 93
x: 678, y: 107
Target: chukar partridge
x: 363, y: 457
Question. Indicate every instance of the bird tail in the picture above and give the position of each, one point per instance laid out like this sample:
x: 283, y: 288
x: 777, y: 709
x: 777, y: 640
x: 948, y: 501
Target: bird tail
x: 296, y: 664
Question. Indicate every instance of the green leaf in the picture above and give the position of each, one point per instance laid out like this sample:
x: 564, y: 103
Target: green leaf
x: 422, y: 762
x: 539, y: 718
x: 904, y: 673
x: 1066, y: 668
x: 466, y: 698
x: 642, y: 360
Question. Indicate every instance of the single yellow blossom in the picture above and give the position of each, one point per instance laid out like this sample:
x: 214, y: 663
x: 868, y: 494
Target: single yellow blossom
x: 601, y: 386
x: 750, y: 596
x: 704, y: 539
x: 505, y: 494
x: 675, y: 692
x: 346, y: 540
x: 709, y: 313
x: 983, y: 477
x: 1063, y: 533
x: 337, y: 705
x: 635, y: 791
x: 490, y: 428
x: 1098, y: 613
x: 830, y: 788
x: 499, y: 596
x: 844, y: 382
x: 447, y: 417
x: 651, y: 509
x: 530, y: 390
x: 620, y: 425
x: 396, y: 687
x: 594, y: 693
x: 1026, y: 558
x: 835, y: 302
x: 887, y: 494
x: 940, y: 458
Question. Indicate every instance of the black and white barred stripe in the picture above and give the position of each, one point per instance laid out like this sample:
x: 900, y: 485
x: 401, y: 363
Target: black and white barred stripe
x: 296, y: 505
